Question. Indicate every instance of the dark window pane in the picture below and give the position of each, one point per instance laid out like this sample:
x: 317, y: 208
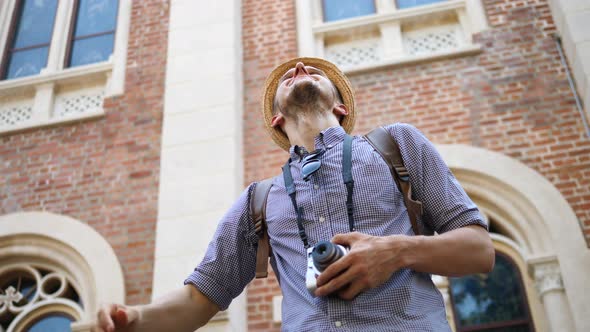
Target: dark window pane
x: 25, y: 63
x: 95, y: 16
x: 52, y: 323
x: 23, y: 283
x: 491, y: 298
x: 91, y: 50
x: 35, y: 23
x: 340, y: 9
x: 401, y: 4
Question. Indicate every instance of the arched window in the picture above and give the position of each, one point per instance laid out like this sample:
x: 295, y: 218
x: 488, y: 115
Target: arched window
x: 37, y: 297
x: 491, y: 302
x: 54, y: 273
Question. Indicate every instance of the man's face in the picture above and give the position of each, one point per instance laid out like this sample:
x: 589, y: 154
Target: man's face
x: 304, y: 89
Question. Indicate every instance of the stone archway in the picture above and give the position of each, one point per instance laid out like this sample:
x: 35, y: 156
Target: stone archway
x: 74, y: 248
x: 541, y: 222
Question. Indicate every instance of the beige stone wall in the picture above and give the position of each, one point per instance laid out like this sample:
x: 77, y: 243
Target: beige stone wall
x: 572, y: 19
x: 201, y: 164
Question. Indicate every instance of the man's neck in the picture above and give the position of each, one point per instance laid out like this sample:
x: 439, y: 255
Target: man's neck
x: 304, y: 131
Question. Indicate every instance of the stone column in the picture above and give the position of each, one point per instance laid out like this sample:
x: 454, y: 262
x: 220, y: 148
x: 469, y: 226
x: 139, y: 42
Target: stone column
x: 550, y: 288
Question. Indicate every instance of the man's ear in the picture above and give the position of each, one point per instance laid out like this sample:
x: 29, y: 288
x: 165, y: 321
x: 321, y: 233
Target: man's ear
x: 277, y: 120
x: 340, y: 111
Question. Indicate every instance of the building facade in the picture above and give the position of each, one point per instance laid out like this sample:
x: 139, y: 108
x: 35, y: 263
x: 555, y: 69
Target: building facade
x: 127, y: 128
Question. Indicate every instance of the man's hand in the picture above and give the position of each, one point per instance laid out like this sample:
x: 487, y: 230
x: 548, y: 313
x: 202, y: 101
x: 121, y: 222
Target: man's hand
x: 115, y: 317
x: 181, y: 310
x: 371, y: 261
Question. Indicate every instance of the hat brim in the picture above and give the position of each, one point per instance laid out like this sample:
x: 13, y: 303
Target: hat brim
x: 334, y: 74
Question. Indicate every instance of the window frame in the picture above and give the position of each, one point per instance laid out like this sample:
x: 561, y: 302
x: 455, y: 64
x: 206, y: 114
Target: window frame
x: 324, y: 12
x: 514, y: 322
x: 10, y: 39
x: 31, y: 100
x: 38, y: 318
x: 7, y: 47
x: 72, y: 28
x: 313, y: 32
x: 426, y: 4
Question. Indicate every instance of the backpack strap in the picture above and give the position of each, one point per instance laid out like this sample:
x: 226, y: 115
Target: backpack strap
x: 388, y: 148
x: 258, y: 216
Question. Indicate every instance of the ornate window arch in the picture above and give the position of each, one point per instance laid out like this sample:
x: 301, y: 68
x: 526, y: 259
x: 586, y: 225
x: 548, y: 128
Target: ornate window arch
x: 533, y: 217
x: 54, y: 269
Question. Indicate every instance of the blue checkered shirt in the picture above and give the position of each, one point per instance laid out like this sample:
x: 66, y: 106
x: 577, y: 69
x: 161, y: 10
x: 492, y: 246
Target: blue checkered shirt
x: 408, y: 301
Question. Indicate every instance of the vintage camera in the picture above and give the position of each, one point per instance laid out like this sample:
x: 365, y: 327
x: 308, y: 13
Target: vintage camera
x: 319, y: 257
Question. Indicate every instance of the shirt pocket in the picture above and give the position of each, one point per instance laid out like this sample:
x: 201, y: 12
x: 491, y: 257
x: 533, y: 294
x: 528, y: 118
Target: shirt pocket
x: 379, y: 206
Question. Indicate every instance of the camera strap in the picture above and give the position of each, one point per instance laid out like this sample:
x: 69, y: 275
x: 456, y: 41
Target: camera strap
x: 348, y: 182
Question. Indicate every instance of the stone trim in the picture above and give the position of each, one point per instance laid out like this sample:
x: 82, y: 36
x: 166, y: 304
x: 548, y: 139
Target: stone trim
x: 42, y: 308
x: 69, y: 245
x: 547, y: 274
x: 337, y: 41
x: 544, y: 222
x: 571, y: 20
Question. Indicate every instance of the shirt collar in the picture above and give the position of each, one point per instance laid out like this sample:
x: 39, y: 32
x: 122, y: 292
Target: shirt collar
x: 327, y: 139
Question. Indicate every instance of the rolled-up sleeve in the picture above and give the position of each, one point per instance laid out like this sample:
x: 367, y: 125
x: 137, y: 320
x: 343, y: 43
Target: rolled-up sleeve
x: 446, y: 205
x: 230, y: 261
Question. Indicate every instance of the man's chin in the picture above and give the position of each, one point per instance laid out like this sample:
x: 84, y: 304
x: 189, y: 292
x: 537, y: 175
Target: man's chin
x: 304, y: 93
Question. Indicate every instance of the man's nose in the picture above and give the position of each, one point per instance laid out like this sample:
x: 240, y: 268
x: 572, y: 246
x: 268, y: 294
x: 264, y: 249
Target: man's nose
x: 300, y: 70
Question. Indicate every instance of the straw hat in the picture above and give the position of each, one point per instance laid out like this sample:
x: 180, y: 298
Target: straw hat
x: 334, y: 74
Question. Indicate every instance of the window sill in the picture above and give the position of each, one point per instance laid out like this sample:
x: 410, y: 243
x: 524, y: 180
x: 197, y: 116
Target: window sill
x: 414, y: 59
x: 397, y: 15
x: 26, y: 85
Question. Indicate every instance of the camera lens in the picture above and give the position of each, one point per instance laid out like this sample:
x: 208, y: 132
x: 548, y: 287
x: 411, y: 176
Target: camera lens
x: 325, y: 253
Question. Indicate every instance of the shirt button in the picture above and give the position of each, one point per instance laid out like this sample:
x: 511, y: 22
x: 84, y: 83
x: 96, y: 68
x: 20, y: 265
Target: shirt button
x: 316, y: 186
x: 322, y: 219
x: 338, y: 323
x: 329, y: 146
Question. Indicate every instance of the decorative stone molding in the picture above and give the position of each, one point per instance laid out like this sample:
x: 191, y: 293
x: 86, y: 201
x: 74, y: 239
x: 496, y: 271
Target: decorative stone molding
x: 550, y: 287
x: 13, y: 115
x: 30, y: 288
x: 390, y: 36
x: 534, y: 214
x: 72, y: 256
x: 547, y: 274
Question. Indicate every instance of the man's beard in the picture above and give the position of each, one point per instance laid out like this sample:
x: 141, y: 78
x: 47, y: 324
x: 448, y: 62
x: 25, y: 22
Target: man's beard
x: 305, y: 99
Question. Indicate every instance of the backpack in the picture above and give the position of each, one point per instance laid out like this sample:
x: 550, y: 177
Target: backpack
x: 386, y: 146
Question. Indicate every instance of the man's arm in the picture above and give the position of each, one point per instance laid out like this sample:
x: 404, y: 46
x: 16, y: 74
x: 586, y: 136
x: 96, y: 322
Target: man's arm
x: 372, y: 260
x: 185, y: 309
x: 456, y: 253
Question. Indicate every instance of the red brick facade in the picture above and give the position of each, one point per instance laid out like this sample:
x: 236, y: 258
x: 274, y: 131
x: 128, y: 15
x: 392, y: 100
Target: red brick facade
x: 103, y: 172
x: 512, y: 98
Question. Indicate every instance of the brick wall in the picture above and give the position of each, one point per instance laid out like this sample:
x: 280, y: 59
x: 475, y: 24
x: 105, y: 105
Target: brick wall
x: 103, y: 172
x: 512, y: 98
x: 269, y: 37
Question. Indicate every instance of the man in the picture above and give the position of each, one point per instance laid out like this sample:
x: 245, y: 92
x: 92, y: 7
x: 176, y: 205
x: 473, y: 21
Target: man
x: 383, y: 283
